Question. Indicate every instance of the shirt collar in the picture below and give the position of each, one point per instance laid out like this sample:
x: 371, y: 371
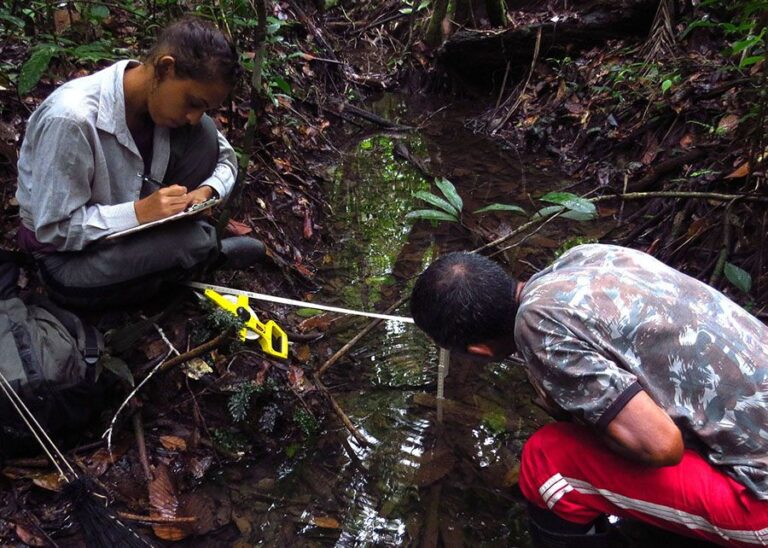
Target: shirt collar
x: 111, y: 116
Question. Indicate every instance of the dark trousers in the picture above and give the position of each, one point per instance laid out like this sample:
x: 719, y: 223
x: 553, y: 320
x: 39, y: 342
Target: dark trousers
x: 134, y: 268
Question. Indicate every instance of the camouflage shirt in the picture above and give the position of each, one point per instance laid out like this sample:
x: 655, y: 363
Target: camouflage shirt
x: 604, y: 322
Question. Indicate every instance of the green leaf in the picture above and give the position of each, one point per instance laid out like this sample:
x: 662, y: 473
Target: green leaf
x: 431, y: 215
x: 95, y: 51
x: 568, y: 214
x: 502, y: 207
x: 666, y: 84
x: 118, y: 367
x: 449, y: 191
x: 548, y: 211
x: 570, y: 201
x: 436, y: 201
x: 34, y: 67
x: 751, y: 60
x: 98, y: 11
x: 15, y: 21
x: 741, y: 45
x: 406, y: 11
x: 308, y: 312
x: 738, y: 277
x: 282, y: 84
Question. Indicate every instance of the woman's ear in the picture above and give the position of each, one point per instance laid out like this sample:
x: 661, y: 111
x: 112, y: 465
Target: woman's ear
x: 165, y: 67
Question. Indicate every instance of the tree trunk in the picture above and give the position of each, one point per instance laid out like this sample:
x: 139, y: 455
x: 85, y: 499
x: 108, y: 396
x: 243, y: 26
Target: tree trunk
x: 434, y: 35
x: 497, y: 13
x: 462, y: 12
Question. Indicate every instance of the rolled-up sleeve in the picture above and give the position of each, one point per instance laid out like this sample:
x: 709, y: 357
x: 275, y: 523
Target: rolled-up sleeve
x: 56, y: 170
x: 224, y: 174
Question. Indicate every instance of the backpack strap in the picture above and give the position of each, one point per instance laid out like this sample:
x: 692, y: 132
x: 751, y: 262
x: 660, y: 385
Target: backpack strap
x: 91, y: 339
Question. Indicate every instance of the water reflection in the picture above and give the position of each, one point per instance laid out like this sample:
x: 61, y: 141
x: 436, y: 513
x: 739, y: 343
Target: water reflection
x: 419, y: 482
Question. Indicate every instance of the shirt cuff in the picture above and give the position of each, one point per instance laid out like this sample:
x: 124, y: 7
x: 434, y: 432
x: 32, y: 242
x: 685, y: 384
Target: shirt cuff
x: 618, y: 404
x: 120, y: 216
x: 216, y: 184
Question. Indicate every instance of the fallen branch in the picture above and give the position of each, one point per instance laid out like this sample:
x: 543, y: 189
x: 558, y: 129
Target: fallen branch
x: 347, y: 347
x: 155, y: 519
x: 340, y: 412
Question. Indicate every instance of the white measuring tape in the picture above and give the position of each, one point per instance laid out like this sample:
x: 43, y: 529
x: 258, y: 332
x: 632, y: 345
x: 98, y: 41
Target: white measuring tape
x: 292, y: 302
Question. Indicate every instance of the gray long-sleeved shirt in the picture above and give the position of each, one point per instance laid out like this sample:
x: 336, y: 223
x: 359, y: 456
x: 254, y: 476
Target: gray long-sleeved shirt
x: 80, y: 171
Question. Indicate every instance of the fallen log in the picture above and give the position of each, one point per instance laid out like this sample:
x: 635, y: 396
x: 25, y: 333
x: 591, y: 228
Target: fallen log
x: 471, y: 52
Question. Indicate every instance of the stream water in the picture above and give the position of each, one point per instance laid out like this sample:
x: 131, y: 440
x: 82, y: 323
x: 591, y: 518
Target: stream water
x: 419, y: 481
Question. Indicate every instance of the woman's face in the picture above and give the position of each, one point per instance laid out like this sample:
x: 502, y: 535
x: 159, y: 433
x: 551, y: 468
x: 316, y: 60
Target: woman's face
x: 173, y: 102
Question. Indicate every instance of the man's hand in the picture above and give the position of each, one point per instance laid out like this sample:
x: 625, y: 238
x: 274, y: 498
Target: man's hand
x: 643, y: 432
x: 161, y: 204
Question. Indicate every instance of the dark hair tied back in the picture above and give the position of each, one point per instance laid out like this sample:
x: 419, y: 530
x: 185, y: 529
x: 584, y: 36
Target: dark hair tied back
x: 201, y: 51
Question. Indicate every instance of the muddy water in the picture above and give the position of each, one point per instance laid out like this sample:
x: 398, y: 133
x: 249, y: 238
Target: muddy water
x: 419, y: 481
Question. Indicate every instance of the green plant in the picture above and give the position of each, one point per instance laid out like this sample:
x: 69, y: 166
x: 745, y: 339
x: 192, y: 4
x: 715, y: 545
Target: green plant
x: 240, y: 402
x: 449, y: 207
x: 738, y: 277
x: 411, y: 5
x: 746, y: 30
x: 305, y: 421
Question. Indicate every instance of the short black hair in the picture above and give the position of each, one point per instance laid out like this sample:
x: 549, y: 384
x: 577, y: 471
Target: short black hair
x: 463, y: 299
x: 201, y: 51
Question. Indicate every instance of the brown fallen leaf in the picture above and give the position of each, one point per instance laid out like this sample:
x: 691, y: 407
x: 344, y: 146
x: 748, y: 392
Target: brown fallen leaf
x: 236, y: 228
x: 173, y: 443
x: 728, y: 123
x: 302, y: 352
x: 321, y: 323
x: 296, y: 377
x: 50, y: 482
x: 326, y: 522
x: 435, y: 465
x: 29, y: 536
x: 164, y: 503
x: 741, y: 171
x: 512, y: 476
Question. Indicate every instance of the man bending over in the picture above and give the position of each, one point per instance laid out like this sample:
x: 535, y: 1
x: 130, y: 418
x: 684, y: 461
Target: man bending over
x: 664, y: 380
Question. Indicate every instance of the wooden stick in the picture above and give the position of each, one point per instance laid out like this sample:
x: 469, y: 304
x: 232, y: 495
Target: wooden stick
x: 367, y: 329
x: 340, y: 412
x: 156, y: 519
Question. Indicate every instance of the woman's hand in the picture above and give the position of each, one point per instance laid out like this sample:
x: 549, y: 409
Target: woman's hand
x: 200, y: 194
x: 162, y: 203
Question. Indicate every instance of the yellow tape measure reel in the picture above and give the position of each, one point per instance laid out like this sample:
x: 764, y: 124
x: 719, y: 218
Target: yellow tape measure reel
x: 269, y: 334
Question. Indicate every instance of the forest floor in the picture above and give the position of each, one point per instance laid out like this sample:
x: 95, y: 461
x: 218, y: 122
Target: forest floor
x: 675, y: 116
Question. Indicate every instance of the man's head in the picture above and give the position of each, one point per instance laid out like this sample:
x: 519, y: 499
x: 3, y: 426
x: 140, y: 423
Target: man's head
x: 466, y: 303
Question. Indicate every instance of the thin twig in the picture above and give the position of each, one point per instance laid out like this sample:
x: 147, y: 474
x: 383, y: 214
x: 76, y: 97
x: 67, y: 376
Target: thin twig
x: 362, y: 440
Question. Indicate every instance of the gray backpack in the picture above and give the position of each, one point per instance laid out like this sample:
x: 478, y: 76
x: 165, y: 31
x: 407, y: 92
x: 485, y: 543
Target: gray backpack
x: 48, y: 355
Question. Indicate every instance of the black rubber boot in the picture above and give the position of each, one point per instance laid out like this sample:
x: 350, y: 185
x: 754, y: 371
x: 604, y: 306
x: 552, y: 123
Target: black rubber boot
x: 550, y: 531
x: 240, y: 252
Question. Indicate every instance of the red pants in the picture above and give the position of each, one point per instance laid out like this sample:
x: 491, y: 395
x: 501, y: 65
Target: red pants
x: 568, y: 470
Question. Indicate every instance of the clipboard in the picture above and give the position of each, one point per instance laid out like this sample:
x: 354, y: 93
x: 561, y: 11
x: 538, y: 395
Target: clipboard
x: 191, y: 210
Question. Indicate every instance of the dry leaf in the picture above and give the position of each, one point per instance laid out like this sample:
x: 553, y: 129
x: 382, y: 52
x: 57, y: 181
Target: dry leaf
x: 29, y: 537
x: 173, y: 443
x: 512, y: 476
x: 296, y: 376
x: 302, y: 352
x: 50, y: 482
x: 196, y: 368
x: 155, y: 349
x: 320, y: 323
x: 728, y: 123
x: 236, y: 228
x: 326, y: 522
x: 164, y: 503
x: 686, y: 141
x: 435, y: 465
x: 739, y: 172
